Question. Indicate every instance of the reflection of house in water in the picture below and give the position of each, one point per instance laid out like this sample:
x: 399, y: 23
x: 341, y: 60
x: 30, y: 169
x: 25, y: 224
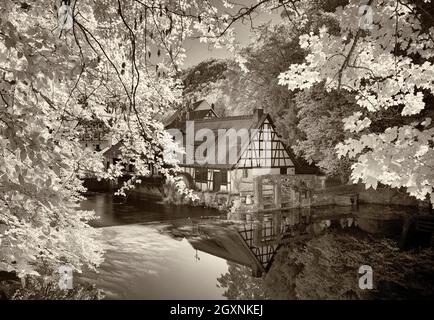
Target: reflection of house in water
x: 227, y: 244
x: 252, y: 243
x: 263, y: 237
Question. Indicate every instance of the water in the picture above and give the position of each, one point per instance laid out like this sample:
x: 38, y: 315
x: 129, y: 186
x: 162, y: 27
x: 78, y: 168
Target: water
x: 143, y: 262
x: 113, y: 211
x: 162, y: 252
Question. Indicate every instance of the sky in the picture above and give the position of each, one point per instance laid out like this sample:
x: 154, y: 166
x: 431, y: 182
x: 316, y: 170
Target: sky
x: 197, y: 52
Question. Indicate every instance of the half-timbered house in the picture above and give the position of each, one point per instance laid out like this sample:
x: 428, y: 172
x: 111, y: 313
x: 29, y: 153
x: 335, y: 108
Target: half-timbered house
x: 258, y: 150
x: 94, y: 134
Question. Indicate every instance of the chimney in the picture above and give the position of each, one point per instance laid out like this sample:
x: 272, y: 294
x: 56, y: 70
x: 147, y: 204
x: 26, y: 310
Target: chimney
x: 188, y: 109
x: 258, y: 113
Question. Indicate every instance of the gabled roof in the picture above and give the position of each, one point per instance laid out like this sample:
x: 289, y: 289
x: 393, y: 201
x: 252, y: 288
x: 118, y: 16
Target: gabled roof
x: 301, y: 166
x: 238, y: 123
x: 201, y: 105
x: 114, y: 150
x: 198, y: 110
x: 243, y: 125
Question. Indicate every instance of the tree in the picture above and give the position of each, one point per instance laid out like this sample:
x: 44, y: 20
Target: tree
x: 113, y: 61
x: 320, y: 115
x: 254, y: 84
x: 383, y: 54
x: 204, y: 81
x: 251, y: 81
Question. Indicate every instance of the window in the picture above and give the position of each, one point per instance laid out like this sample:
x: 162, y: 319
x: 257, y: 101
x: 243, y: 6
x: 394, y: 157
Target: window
x: 151, y: 169
x: 245, y: 173
x: 97, y: 147
x: 283, y: 171
x: 224, y: 174
x: 201, y: 175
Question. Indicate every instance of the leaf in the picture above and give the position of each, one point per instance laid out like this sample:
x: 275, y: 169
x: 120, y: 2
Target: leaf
x: 10, y: 42
x: 21, y: 179
x: 23, y: 154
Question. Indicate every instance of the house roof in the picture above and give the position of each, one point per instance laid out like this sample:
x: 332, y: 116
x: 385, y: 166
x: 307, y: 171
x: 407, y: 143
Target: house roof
x: 201, y: 105
x: 198, y: 110
x: 114, y: 150
x: 303, y: 167
x: 238, y: 123
x: 218, y: 240
x: 242, y: 125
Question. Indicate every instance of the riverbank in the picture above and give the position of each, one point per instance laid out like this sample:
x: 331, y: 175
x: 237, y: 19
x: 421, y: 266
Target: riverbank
x: 350, y: 194
x: 154, y: 189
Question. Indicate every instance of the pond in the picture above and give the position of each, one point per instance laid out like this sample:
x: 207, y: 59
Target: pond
x: 156, y: 251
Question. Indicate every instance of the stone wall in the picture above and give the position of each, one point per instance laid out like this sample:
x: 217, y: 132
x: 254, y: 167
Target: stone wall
x: 351, y: 194
x: 221, y: 201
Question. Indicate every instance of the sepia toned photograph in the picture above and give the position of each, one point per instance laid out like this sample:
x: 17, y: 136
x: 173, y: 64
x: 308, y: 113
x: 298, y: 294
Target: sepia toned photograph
x: 237, y: 151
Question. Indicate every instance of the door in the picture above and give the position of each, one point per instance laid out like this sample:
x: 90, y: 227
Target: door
x: 217, y: 181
